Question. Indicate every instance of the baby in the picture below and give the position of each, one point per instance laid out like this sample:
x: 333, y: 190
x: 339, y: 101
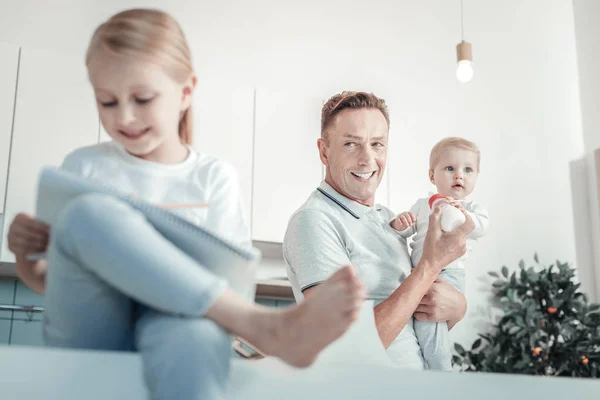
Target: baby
x: 453, y: 169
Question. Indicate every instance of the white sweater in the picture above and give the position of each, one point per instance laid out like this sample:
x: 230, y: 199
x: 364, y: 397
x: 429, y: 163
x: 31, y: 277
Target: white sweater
x: 421, y: 210
x: 197, y: 179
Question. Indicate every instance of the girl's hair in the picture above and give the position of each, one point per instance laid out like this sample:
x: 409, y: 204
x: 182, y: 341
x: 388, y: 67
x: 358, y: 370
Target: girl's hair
x: 152, y: 35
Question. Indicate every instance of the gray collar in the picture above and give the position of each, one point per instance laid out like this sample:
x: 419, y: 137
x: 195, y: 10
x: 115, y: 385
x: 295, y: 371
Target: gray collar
x: 352, y: 207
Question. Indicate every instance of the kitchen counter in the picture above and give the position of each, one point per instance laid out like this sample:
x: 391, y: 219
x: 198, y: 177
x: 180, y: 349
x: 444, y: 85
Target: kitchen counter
x: 271, y: 279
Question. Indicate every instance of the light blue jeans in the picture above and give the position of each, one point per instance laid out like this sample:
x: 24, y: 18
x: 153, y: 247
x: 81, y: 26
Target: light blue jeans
x: 114, y: 283
x: 434, y: 337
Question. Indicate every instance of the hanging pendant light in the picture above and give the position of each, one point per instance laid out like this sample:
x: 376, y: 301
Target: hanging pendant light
x: 464, y: 54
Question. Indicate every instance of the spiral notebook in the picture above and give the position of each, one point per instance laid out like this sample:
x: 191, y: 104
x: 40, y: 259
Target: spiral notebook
x: 237, y: 264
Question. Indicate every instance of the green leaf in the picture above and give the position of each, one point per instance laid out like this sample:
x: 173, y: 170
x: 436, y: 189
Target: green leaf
x: 521, y: 364
x: 594, y: 307
x: 505, y: 272
x: 494, y: 274
x: 532, y: 276
x: 476, y: 344
x: 530, y: 305
x: 513, y: 278
x: 498, y: 284
x: 519, y: 320
x: 459, y: 349
x: 535, y: 257
x: 513, y: 330
x: 485, y: 336
x: 521, y: 264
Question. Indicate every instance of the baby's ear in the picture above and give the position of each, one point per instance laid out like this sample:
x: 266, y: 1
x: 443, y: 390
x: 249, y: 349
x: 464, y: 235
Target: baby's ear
x: 431, y: 176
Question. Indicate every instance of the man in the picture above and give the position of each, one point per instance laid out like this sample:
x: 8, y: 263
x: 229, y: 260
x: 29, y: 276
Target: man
x: 339, y: 225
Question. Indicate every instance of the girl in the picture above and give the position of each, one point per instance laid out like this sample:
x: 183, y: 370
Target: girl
x: 111, y: 281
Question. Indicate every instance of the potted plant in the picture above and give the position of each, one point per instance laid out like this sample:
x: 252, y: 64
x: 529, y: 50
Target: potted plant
x: 548, y: 326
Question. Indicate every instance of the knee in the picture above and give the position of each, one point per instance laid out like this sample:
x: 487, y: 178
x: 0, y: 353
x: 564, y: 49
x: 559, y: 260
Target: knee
x: 82, y: 211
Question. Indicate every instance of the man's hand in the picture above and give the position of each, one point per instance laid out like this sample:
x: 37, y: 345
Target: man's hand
x: 404, y: 221
x: 442, y: 303
x: 441, y: 248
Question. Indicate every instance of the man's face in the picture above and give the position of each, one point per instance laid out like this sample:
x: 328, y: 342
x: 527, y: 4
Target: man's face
x: 355, y: 153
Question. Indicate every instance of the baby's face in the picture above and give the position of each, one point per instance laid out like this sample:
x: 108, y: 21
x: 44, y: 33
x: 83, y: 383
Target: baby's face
x: 456, y: 173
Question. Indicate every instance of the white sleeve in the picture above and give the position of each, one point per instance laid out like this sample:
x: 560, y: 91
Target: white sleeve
x: 313, y: 247
x: 479, y: 215
x: 75, y: 163
x: 225, y: 210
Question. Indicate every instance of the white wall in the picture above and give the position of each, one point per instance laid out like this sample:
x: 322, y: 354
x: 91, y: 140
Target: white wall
x: 522, y: 107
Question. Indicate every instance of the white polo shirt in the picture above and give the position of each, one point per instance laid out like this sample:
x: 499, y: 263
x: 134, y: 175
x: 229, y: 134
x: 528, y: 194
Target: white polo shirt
x: 330, y: 231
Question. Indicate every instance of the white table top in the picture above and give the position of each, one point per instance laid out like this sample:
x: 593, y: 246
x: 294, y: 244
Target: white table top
x: 28, y: 373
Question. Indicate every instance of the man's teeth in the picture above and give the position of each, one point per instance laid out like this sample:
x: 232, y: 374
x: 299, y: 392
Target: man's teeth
x: 365, y: 176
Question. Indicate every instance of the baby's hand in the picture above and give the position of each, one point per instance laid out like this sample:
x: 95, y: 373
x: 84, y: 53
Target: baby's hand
x: 454, y: 203
x: 404, y: 221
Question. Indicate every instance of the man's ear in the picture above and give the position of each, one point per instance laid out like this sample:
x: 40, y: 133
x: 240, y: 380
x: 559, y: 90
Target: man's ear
x: 322, y: 146
x: 188, y: 90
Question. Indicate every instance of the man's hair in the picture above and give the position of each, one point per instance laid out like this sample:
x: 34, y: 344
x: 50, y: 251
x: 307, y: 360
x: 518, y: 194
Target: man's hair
x: 452, y: 143
x: 349, y: 100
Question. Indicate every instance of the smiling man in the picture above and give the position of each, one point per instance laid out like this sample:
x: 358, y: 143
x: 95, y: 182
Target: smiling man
x: 340, y: 225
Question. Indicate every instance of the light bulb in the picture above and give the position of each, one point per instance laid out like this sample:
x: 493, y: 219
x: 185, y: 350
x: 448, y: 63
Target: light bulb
x: 464, y: 71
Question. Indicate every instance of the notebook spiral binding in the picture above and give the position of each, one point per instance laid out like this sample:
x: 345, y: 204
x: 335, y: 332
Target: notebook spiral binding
x: 246, y: 253
x: 187, y: 225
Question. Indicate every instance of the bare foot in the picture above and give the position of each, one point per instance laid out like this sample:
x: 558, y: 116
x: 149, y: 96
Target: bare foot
x: 296, y: 335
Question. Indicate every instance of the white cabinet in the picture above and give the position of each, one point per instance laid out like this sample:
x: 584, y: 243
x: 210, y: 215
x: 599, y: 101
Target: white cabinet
x: 55, y: 113
x: 223, y: 123
x: 4, y: 331
x: 9, y: 61
x: 287, y: 167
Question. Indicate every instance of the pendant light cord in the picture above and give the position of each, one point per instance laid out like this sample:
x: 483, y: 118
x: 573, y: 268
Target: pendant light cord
x: 462, y: 27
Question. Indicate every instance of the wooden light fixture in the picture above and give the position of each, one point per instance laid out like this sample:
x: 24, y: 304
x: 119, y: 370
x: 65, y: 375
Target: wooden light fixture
x: 464, y: 54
